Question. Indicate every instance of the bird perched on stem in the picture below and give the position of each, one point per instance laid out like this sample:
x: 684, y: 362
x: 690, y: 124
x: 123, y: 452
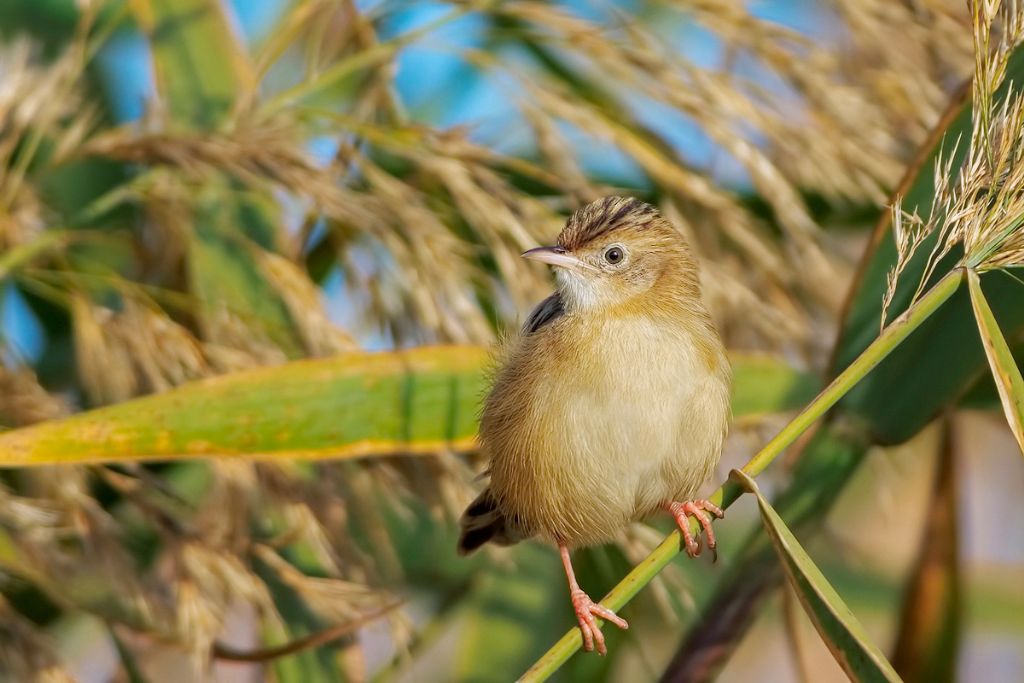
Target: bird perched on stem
x: 611, y: 404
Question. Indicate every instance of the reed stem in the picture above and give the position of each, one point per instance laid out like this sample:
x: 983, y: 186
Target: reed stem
x: 891, y: 337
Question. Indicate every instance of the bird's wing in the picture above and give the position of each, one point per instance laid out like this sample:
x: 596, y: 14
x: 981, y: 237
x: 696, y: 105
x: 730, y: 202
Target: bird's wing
x: 483, y: 522
x: 546, y: 311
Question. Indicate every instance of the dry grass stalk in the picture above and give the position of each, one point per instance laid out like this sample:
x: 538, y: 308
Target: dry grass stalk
x: 104, y: 364
x: 23, y: 401
x: 136, y: 350
x: 980, y: 205
x: 44, y: 119
x: 234, y: 345
x: 304, y: 302
x: 25, y: 655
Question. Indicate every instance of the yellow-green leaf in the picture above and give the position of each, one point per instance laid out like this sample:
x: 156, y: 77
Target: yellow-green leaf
x: 838, y: 627
x: 352, y: 405
x: 347, y: 406
x: 1004, y: 369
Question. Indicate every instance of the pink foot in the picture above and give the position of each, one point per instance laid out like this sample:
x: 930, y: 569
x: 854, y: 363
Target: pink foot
x: 697, y: 509
x: 586, y: 610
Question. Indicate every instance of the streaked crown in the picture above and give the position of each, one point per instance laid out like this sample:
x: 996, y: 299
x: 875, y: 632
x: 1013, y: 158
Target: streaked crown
x: 602, y: 217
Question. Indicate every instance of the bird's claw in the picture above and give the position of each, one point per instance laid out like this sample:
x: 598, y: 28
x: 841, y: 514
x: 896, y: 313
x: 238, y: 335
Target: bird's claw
x: 586, y: 610
x: 699, y: 510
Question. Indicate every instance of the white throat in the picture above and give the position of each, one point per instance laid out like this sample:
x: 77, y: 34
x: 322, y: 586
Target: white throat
x: 578, y: 292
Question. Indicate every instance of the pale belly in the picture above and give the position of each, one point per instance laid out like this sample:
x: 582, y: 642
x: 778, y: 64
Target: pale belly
x: 611, y: 444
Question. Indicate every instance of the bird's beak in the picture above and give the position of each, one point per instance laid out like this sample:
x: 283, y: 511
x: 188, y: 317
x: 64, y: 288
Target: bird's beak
x: 555, y: 256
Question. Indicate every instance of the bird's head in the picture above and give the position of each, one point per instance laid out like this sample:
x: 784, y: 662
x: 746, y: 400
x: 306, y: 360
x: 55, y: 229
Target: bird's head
x: 614, y: 250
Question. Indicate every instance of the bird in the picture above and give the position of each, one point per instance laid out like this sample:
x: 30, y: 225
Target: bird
x: 611, y: 404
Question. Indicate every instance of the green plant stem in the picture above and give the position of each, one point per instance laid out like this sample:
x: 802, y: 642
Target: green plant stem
x: 641, y: 575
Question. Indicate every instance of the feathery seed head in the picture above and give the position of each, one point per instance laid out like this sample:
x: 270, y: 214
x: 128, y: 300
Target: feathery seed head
x: 978, y: 206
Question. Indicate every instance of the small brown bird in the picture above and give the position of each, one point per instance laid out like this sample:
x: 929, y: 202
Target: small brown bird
x: 613, y: 401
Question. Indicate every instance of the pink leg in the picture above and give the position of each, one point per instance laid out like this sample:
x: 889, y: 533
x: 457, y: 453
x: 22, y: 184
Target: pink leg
x: 587, y: 609
x: 699, y: 510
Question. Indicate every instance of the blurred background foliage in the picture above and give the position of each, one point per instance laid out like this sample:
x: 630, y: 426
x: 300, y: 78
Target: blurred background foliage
x: 190, y: 188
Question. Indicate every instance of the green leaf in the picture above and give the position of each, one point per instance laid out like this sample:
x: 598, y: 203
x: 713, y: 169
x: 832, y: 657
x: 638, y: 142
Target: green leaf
x: 943, y: 357
x: 352, y: 405
x: 983, y: 394
x: 836, y: 624
x: 767, y: 386
x: 50, y: 21
x: 200, y: 68
x: 202, y: 72
x: 500, y: 632
x: 1007, y: 375
x: 225, y: 276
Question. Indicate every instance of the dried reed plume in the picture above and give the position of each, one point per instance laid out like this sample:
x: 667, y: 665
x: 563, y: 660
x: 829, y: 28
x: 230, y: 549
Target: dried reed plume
x: 979, y: 206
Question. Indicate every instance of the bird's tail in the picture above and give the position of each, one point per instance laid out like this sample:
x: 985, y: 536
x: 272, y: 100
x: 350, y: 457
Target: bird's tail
x: 483, y: 522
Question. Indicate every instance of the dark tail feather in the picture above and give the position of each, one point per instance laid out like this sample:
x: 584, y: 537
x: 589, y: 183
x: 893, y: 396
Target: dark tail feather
x: 483, y: 522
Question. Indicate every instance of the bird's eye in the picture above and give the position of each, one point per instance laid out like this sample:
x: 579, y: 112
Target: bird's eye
x: 613, y: 255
